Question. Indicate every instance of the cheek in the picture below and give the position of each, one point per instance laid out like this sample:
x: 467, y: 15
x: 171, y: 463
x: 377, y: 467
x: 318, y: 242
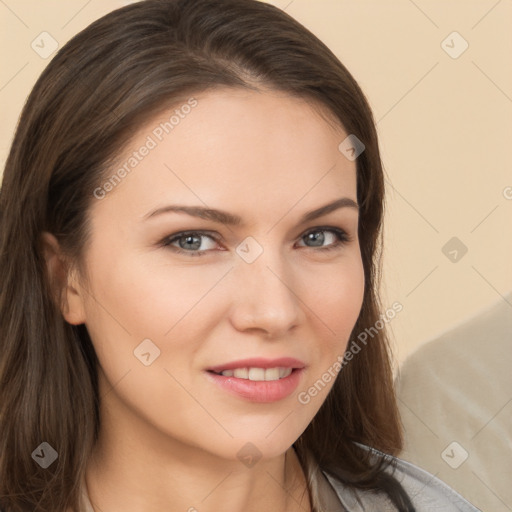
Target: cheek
x: 338, y: 300
x: 149, y: 300
x: 132, y: 301
x: 337, y: 305
x: 175, y: 307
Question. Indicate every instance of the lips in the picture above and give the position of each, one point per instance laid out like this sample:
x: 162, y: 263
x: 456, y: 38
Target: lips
x: 247, y: 378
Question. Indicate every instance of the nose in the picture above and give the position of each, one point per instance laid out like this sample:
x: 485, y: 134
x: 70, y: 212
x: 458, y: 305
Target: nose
x: 265, y: 299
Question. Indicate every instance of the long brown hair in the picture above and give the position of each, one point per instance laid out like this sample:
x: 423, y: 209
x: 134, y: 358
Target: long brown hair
x: 97, y: 90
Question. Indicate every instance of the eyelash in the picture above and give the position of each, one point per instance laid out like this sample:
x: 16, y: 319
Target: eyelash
x: 341, y: 235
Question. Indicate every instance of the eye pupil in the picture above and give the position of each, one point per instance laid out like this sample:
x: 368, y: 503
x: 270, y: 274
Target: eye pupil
x: 189, y: 239
x: 316, y: 236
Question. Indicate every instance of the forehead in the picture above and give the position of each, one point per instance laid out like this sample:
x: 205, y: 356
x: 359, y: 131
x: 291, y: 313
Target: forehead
x: 234, y: 149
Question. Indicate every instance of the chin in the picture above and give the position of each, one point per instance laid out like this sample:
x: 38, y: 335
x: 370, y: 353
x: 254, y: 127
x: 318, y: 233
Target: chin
x: 263, y: 442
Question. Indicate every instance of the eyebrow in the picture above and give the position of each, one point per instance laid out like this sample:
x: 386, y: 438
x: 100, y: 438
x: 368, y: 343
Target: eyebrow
x: 231, y: 219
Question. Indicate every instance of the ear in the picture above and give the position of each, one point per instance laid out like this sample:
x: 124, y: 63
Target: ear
x: 68, y: 293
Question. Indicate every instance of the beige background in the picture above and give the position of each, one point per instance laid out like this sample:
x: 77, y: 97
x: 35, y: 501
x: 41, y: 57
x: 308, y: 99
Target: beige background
x: 445, y: 127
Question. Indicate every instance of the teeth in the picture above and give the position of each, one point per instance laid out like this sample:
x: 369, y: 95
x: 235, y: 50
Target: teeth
x: 284, y: 372
x: 241, y: 373
x: 258, y: 374
x: 268, y: 374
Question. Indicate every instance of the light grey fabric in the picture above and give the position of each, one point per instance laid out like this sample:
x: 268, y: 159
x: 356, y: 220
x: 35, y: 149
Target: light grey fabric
x: 455, y: 398
x: 426, y: 492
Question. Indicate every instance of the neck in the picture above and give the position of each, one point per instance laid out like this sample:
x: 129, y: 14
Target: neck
x: 278, y: 485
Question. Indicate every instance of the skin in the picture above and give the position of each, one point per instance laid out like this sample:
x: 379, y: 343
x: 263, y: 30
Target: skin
x: 169, y: 437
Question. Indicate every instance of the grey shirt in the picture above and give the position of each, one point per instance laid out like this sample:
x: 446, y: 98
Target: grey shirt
x: 426, y: 492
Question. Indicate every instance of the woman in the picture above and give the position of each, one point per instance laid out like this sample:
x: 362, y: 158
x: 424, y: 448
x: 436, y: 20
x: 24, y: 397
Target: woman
x: 136, y: 375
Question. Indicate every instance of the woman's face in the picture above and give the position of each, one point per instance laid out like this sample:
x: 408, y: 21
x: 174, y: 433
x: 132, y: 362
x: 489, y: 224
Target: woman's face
x: 163, y: 311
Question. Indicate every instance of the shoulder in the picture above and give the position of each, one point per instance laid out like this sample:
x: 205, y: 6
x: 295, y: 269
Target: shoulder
x: 427, y: 493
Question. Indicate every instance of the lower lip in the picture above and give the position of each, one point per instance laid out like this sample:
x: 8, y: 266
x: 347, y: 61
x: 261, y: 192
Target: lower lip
x: 259, y: 391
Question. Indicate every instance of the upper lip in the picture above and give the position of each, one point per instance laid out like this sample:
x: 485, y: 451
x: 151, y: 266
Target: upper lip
x: 259, y: 362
